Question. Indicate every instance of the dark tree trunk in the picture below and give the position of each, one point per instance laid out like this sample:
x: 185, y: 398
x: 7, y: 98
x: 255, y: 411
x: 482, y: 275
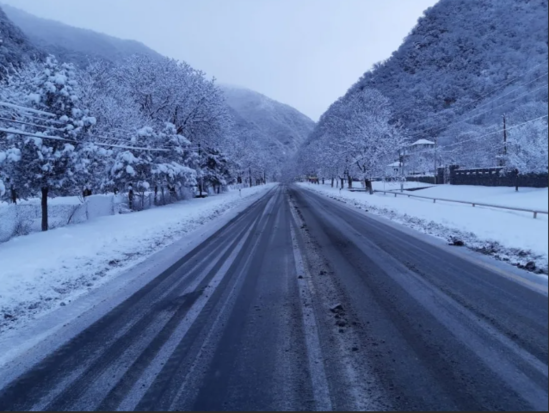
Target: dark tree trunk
x: 342, y: 182
x: 350, y: 181
x: 156, y: 195
x: 332, y: 182
x: 516, y: 180
x: 130, y: 199
x: 13, y: 195
x: 45, y: 226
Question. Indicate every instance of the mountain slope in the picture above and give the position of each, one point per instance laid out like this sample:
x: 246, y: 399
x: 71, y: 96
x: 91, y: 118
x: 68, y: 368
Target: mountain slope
x: 461, y: 54
x: 467, y: 61
x: 466, y: 65
x: 276, y: 126
x: 15, y: 48
x: 74, y: 44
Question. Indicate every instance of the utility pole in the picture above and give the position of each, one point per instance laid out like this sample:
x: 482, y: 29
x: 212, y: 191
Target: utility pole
x: 402, y: 156
x: 504, y: 140
x: 436, y: 172
x: 201, y: 184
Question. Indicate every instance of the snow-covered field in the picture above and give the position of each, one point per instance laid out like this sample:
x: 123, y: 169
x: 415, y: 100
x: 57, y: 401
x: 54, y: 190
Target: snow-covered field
x: 43, y: 271
x: 511, y: 236
x: 529, y: 198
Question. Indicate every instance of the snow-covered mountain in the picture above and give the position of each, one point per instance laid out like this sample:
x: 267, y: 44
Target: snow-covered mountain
x: 74, y: 44
x: 465, y: 67
x: 276, y: 126
x: 15, y: 48
x: 276, y: 130
x: 461, y: 55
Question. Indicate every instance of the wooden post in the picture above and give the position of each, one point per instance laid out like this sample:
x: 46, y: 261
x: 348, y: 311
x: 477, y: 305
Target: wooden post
x: 504, y: 135
x: 44, y: 202
x: 436, y: 145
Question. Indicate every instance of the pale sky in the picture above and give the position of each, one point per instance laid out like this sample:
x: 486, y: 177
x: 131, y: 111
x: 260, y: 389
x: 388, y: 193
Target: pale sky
x: 305, y: 53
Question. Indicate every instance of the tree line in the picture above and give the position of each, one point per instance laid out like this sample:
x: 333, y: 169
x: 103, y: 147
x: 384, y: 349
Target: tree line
x: 142, y: 125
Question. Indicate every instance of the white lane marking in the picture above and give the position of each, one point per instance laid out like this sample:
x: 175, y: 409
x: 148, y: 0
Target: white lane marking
x: 321, y: 388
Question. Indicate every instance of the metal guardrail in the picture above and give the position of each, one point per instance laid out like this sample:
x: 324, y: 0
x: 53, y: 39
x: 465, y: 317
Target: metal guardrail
x: 474, y: 204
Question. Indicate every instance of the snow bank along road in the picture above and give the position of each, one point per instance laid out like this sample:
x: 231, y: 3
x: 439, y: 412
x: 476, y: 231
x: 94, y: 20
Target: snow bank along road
x: 303, y: 303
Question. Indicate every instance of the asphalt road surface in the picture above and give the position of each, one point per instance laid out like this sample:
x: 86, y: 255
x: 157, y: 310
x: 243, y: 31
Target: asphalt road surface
x: 301, y: 303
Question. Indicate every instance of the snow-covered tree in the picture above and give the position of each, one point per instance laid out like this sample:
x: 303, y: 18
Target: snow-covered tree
x: 527, y: 148
x: 355, y: 139
x: 50, y: 161
x: 175, y: 167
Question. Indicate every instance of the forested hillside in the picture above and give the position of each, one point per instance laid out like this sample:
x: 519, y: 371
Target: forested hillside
x: 15, y: 48
x: 274, y: 130
x: 465, y: 65
x: 73, y: 44
x: 102, y: 115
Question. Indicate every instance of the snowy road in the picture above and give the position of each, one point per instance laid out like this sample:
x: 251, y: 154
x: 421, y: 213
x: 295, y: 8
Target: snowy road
x: 303, y: 303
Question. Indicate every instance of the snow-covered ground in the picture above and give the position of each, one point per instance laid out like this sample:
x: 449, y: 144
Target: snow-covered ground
x: 529, y: 198
x: 42, y: 271
x: 391, y: 186
x: 508, y: 235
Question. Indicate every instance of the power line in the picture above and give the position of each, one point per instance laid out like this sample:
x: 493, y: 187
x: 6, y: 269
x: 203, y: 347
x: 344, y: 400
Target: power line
x: 425, y: 131
x: 498, y: 87
x: 27, y: 115
x: 23, y: 108
x: 498, y: 131
x: 132, y: 147
x: 28, y: 124
x: 500, y: 105
x: 444, y: 148
x: 504, y: 85
x: 544, y: 76
x: 18, y: 132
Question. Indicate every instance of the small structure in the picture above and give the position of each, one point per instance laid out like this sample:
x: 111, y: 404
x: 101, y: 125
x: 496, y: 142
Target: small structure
x: 421, y: 145
x: 419, y: 158
x: 393, y: 169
